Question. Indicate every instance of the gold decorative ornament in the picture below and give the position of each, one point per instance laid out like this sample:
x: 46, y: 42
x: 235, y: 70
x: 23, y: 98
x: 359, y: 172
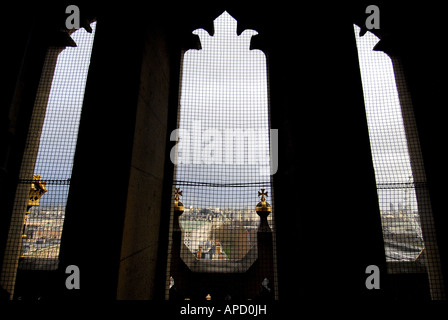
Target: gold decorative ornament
x: 37, y: 190
x: 178, y: 205
x: 263, y: 205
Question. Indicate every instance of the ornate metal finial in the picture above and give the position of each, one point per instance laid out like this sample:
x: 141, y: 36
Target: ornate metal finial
x: 262, y: 194
x: 178, y: 205
x: 263, y: 205
x: 177, y: 193
x: 37, y: 190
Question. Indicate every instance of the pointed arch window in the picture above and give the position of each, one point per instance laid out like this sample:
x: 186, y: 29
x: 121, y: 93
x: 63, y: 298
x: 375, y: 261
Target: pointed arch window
x: 34, y: 242
x: 390, y: 154
x: 222, y: 159
x: 405, y: 206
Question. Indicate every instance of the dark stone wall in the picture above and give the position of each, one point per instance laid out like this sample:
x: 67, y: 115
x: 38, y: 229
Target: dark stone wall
x: 327, y: 216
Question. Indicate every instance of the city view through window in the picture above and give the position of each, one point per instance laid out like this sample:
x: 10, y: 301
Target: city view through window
x: 399, y: 209
x: 223, y: 158
x: 54, y: 162
x: 223, y: 137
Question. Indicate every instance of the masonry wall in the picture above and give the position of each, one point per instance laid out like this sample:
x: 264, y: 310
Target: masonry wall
x: 96, y: 206
x: 140, y: 246
x: 116, y: 218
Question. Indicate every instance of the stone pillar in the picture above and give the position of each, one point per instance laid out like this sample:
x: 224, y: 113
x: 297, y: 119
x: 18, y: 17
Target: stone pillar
x: 431, y: 250
x: 317, y: 105
x: 176, y: 287
x: 13, y: 248
x: 265, y: 263
x: 398, y: 50
x: 104, y: 170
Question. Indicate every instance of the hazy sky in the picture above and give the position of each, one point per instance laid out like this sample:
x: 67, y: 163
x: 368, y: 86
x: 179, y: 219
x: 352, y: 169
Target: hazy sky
x: 56, y: 151
x: 386, y: 130
x: 224, y: 117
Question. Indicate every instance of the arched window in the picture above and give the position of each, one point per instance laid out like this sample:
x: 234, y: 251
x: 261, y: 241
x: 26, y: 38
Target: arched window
x: 406, y: 213
x: 33, y: 243
x: 222, y: 158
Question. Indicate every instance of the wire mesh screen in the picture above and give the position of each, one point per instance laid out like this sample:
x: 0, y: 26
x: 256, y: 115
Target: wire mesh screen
x: 393, y: 172
x: 405, y: 208
x: 222, y: 157
x: 48, y: 159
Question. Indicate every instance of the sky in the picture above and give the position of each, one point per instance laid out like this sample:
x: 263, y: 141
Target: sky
x: 384, y: 118
x: 224, y: 119
x: 56, y: 151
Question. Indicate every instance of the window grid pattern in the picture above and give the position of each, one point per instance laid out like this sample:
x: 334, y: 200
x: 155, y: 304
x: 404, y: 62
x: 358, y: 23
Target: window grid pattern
x: 49, y: 154
x: 223, y: 141
x: 393, y: 172
x: 405, y: 208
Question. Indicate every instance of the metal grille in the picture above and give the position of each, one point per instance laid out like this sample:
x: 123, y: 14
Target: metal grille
x: 405, y: 208
x: 33, y: 242
x: 222, y: 157
x: 393, y: 172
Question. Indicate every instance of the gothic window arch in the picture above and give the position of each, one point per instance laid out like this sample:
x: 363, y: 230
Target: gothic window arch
x: 405, y: 207
x: 222, y: 156
x: 34, y: 242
